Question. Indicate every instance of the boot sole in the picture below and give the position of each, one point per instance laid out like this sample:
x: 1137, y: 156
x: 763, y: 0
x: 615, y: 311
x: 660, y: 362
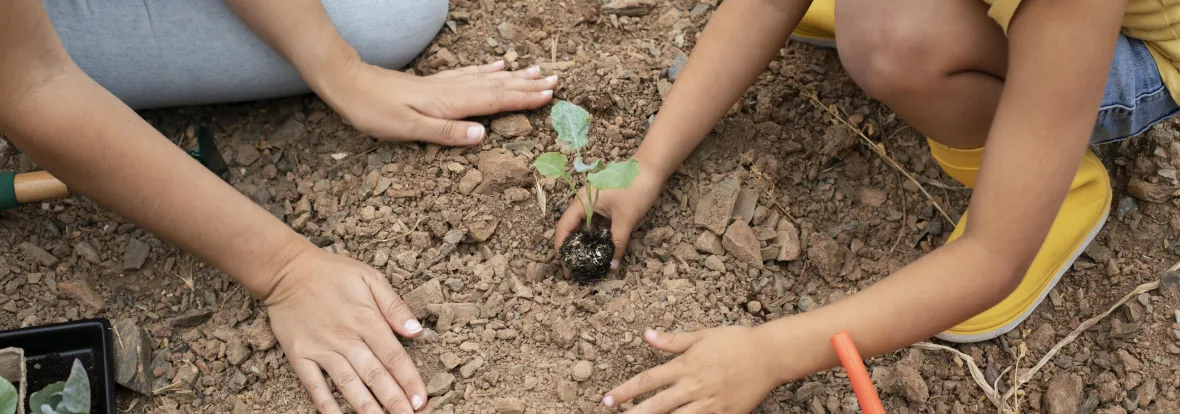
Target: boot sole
x: 814, y: 41
x: 980, y: 337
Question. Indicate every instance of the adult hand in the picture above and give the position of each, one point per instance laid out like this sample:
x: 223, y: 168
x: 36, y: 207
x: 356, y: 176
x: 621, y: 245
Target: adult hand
x: 721, y: 370
x: 395, y: 106
x: 622, y: 208
x: 333, y: 313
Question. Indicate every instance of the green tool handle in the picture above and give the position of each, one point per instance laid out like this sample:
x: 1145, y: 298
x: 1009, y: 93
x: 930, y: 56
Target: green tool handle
x: 8, y: 190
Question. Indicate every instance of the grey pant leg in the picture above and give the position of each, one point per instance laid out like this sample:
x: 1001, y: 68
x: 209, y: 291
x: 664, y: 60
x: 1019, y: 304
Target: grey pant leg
x: 160, y: 53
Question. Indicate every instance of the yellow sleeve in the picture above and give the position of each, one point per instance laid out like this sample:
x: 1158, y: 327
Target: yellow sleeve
x: 1002, y: 11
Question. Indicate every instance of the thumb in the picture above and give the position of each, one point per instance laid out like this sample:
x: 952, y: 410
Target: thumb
x: 446, y: 132
x: 672, y: 342
x: 621, y: 234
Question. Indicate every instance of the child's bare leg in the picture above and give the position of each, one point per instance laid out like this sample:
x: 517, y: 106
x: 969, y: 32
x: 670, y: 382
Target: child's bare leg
x: 940, y: 64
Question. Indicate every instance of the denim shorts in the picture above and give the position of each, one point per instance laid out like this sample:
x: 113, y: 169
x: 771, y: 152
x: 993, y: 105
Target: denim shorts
x: 1135, y: 96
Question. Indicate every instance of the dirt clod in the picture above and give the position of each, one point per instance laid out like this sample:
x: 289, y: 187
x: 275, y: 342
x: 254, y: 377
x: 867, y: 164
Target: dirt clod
x: 440, y: 384
x: 135, y: 254
x: 827, y: 255
x: 740, y: 241
x: 81, y: 292
x: 509, y: 406
x: 425, y: 294
x: 714, y: 210
x: 40, y: 255
x: 1064, y: 395
x: 582, y: 371
x: 512, y: 126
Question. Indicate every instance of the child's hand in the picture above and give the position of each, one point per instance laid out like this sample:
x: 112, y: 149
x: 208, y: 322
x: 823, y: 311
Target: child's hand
x: 721, y: 370
x: 623, y: 208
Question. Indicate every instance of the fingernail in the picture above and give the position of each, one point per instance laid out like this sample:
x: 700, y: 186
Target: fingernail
x: 650, y: 334
x: 608, y: 401
x: 551, y: 79
x: 416, y: 401
x: 412, y: 326
x: 475, y: 132
x: 499, y: 64
x: 614, y: 264
x: 547, y: 92
x: 535, y: 70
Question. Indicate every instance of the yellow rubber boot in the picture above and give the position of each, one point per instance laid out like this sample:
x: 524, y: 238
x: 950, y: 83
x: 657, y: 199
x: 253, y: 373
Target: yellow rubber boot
x: 818, y: 26
x: 1082, y: 215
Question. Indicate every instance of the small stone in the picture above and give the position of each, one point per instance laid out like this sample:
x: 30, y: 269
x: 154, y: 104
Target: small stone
x: 715, y: 263
x: 754, y: 306
x: 439, y: 384
x: 582, y: 371
x: 380, y: 258
x: 708, y: 242
x: 192, y: 318
x: 1147, y: 392
x: 133, y: 356
x: 40, y: 255
x: 502, y: 170
x: 872, y: 197
x: 714, y: 210
x: 291, y: 132
x: 1170, y: 285
x: 1098, y: 252
x: 806, y: 303
x: 469, y: 181
x: 1064, y: 394
x: 787, y: 239
x: 259, y: 335
x: 480, y: 230
x: 827, y: 255
x: 509, y: 406
x: 505, y: 31
x: 135, y: 254
x: 425, y: 294
x: 443, y: 58
x: 677, y: 66
x: 517, y: 194
x: 1042, y: 338
x: 247, y: 154
x: 633, y: 8
x: 747, y: 202
x: 567, y: 391
x: 81, y: 292
x: 913, y: 386
x: 236, y: 351
x: 450, y: 360
x: 1153, y: 193
x: 469, y: 370
x: 512, y: 126
x: 740, y: 242
x: 237, y: 382
x: 87, y: 252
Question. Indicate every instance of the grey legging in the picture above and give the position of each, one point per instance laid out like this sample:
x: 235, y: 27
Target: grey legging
x: 159, y: 53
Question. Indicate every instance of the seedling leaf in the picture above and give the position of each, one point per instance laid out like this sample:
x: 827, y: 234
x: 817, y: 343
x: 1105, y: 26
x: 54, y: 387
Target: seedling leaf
x: 8, y: 397
x: 581, y: 167
x: 76, y: 396
x: 551, y: 164
x: 44, y: 401
x: 615, y: 175
x: 572, y: 124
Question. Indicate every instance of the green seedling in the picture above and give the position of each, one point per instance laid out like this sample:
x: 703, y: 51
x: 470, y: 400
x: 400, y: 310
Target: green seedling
x: 69, y: 397
x: 8, y: 397
x: 573, y: 127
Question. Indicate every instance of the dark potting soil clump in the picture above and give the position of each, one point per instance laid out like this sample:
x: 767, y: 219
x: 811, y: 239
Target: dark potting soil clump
x: 587, y: 255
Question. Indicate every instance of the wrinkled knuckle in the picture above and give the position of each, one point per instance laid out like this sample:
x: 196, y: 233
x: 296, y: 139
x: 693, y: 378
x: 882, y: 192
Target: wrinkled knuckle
x: 369, y: 406
x: 346, y: 379
x: 374, y: 374
x: 498, y: 91
x: 324, y: 405
x: 395, y: 401
x: 395, y: 358
x: 448, y: 128
x: 396, y: 307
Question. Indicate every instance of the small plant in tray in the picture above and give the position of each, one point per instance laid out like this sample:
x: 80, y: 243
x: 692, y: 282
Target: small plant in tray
x: 586, y: 253
x: 71, y: 396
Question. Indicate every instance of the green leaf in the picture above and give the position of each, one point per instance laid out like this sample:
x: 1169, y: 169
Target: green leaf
x: 551, y: 164
x: 572, y: 124
x: 8, y: 397
x: 615, y: 175
x: 581, y: 167
x: 76, y: 395
x: 47, y: 400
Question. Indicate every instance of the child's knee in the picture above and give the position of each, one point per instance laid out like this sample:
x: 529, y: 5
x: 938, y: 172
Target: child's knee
x: 388, y: 33
x: 890, y: 59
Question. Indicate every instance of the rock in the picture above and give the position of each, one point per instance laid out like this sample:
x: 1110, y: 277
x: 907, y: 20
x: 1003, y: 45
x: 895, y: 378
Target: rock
x: 714, y: 210
x: 872, y: 197
x: 510, y: 405
x: 501, y: 170
x: 567, y: 391
x: 453, y: 314
x: 1098, y: 252
x: 582, y: 371
x: 913, y: 386
x: 40, y: 255
x: 425, y: 294
x: 292, y: 131
x: 677, y: 66
x: 1112, y: 410
x: 740, y: 242
x: 787, y: 239
x: 1170, y: 285
x: 810, y: 391
x: 135, y: 254
x: 247, y: 154
x: 512, y: 126
x: 1153, y: 193
x: 481, y: 229
x: 380, y: 258
x: 629, y: 7
x: 81, y: 292
x: 826, y: 255
x: 747, y: 202
x: 450, y: 360
x: 709, y: 243
x: 769, y: 253
x: 754, y: 306
x: 469, y: 181
x: 439, y: 384
x: 236, y: 351
x: 191, y: 318
x: 259, y: 335
x: 133, y: 357
x: 469, y: 369
x: 1064, y: 394
x: 714, y: 262
x: 657, y: 236
x: 1042, y: 338
x: 1130, y: 363
x: 505, y: 30
x: 806, y: 303
x: 87, y: 252
x: 1147, y: 392
x: 443, y: 58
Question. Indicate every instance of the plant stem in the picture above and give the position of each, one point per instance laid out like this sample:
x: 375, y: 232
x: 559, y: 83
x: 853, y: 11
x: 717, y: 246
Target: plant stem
x: 592, y: 200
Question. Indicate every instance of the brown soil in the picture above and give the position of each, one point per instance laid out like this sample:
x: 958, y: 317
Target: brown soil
x: 587, y: 255
x: 526, y: 337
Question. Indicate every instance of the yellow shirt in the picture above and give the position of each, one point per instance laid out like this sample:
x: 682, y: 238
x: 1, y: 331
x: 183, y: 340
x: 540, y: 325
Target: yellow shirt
x: 1155, y: 22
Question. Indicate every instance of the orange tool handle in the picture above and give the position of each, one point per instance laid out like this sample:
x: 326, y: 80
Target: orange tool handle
x: 866, y: 393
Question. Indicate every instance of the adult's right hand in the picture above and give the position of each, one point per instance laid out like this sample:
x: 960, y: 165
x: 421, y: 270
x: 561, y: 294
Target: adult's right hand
x: 333, y: 313
x: 396, y: 106
x: 624, y: 208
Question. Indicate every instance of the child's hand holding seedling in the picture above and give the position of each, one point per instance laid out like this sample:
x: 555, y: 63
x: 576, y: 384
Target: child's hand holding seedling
x: 588, y: 253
